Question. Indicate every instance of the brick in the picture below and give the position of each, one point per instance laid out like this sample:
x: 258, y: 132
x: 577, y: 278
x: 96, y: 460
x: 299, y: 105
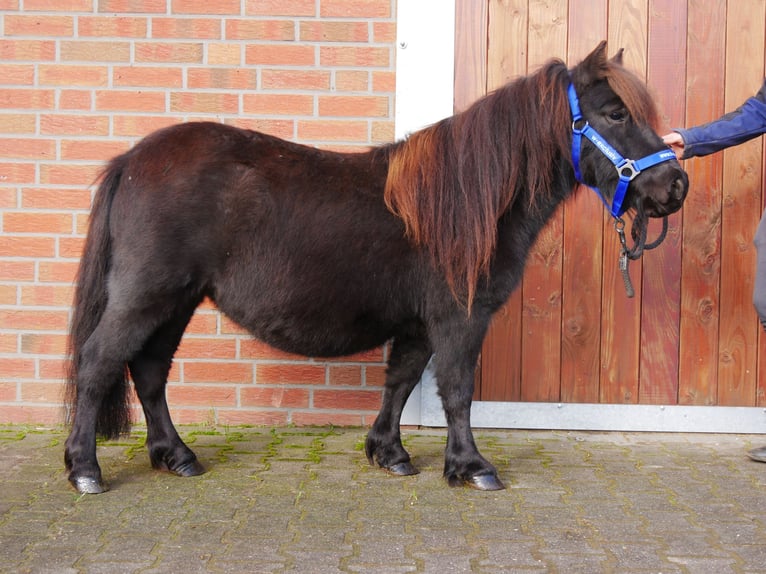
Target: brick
x: 75, y: 100
x: 91, y: 149
x: 279, y: 55
x: 251, y: 417
x: 52, y: 369
x: 290, y: 374
x: 222, y: 7
x: 163, y: 52
x: 224, y: 54
x: 279, y: 397
x: 112, y: 26
x: 26, y: 246
x: 352, y: 81
x: 382, y: 132
x: 183, y: 416
x: 17, y: 74
x: 384, y: 32
x: 57, y: 271
x: 217, y: 372
x: 214, y: 103
x: 8, y: 296
x: 7, y: 196
x: 255, y: 349
x: 133, y: 6
x: 147, y: 77
x: 192, y: 28
x: 207, y: 348
x: 59, y: 5
x: 279, y: 104
x: 17, y: 271
x: 332, y: 130
x: 17, y: 123
x: 19, y: 173
x: 139, y: 126
x: 23, y: 414
x: 347, y: 400
x: 96, y: 51
x: 354, y: 106
x: 41, y: 392
x: 32, y: 320
x: 8, y: 392
x: 274, y: 30
x: 71, y: 247
x: 345, y: 375
x: 374, y: 376
x: 324, y: 31
x: 74, y: 125
x: 38, y: 25
x: 295, y: 79
x: 217, y: 78
x: 36, y: 222
x: 61, y: 75
x: 44, y: 344
x: 134, y: 101
x: 46, y: 296
x: 27, y: 148
x: 28, y: 50
x: 280, y: 8
x: 201, y: 395
x: 68, y: 174
x: 355, y: 9
x: 9, y: 343
x: 202, y: 323
x: 383, y: 81
x: 27, y: 99
x: 281, y: 128
x: 355, y: 56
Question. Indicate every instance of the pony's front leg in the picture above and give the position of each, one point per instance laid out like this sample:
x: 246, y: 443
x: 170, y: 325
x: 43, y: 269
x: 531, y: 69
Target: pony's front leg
x: 455, y: 365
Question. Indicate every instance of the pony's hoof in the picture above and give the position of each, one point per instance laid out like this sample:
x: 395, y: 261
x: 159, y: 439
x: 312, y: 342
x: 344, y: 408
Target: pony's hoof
x: 88, y: 485
x: 191, y: 468
x: 402, y: 469
x: 485, y: 482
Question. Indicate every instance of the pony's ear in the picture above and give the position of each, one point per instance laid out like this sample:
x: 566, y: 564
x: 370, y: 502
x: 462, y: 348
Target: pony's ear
x: 617, y: 58
x: 594, y: 66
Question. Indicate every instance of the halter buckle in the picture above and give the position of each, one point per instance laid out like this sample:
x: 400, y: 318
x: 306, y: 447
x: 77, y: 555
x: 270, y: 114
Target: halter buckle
x: 628, y: 170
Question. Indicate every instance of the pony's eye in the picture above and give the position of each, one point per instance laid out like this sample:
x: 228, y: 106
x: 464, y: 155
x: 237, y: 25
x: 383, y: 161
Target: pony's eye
x: 618, y: 115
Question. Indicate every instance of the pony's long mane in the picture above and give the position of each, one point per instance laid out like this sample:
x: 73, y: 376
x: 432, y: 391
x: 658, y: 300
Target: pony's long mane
x: 451, y: 182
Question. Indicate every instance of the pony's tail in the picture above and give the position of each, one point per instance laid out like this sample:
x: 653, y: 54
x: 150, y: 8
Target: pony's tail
x: 90, y: 299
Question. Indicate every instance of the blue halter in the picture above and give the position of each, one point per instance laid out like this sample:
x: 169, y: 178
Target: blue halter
x: 627, y: 169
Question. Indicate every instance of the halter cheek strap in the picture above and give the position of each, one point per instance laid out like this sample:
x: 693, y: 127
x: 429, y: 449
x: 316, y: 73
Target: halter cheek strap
x: 627, y: 169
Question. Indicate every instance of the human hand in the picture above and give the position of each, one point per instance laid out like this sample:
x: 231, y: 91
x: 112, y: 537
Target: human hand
x: 675, y: 142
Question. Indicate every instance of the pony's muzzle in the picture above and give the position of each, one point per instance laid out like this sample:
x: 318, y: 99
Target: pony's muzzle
x: 670, y: 191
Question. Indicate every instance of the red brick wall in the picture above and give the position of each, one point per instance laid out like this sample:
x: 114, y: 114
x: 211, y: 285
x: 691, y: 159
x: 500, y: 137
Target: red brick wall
x: 82, y: 80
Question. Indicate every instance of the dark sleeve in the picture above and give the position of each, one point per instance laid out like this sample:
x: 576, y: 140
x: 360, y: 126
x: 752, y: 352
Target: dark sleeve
x: 744, y: 123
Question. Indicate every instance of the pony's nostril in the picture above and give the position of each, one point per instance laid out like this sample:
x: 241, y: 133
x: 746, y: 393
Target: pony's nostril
x: 678, y: 188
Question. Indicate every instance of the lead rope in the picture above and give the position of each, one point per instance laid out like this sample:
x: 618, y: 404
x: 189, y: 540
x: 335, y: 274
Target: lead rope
x: 638, y: 233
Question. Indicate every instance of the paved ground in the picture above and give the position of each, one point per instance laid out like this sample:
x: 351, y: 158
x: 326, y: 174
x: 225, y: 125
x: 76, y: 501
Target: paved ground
x: 305, y: 500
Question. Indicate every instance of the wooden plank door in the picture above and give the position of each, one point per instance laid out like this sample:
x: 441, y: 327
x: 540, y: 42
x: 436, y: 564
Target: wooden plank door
x: 690, y: 335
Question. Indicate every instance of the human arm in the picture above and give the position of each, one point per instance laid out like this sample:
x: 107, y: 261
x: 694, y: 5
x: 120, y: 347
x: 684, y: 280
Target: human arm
x: 744, y: 123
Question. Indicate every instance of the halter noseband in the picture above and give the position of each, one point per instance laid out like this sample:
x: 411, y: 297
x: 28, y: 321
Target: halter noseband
x: 627, y: 169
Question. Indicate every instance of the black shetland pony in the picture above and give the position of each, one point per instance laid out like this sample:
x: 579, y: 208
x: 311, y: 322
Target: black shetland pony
x: 328, y: 254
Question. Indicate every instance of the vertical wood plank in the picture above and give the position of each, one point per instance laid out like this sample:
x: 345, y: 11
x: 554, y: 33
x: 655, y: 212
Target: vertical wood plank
x: 506, y: 59
x: 621, y: 321
x: 541, y: 294
x: 700, y: 277
x: 661, y: 300
x: 583, y: 244
x: 741, y: 210
x: 470, y: 51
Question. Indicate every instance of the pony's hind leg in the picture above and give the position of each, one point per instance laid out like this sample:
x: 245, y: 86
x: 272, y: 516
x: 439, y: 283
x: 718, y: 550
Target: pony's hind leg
x: 410, y: 354
x: 149, y: 370
x: 101, y: 406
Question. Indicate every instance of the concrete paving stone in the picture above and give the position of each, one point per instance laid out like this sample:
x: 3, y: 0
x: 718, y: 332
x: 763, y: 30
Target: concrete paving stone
x: 305, y: 500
